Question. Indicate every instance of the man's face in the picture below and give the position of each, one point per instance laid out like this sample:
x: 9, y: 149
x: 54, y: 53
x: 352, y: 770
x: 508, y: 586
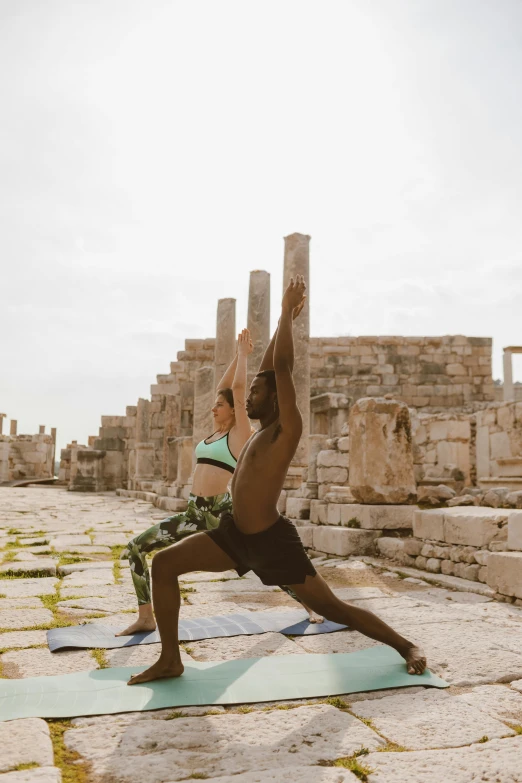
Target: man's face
x: 259, y: 401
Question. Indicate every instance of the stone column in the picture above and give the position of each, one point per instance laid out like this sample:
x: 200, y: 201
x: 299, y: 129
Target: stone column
x: 203, y: 401
x: 225, y: 336
x: 41, y: 429
x: 381, y: 453
x: 53, y: 436
x: 258, y: 319
x: 2, y: 417
x: 144, y: 448
x: 171, y: 430
x: 297, y: 262
x: 509, y: 389
x: 14, y: 425
x: 143, y: 421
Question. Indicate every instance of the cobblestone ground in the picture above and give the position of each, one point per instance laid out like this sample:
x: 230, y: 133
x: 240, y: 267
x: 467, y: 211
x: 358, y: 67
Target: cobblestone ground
x: 59, y: 554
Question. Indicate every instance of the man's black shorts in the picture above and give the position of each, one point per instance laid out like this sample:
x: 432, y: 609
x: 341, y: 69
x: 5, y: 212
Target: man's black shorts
x: 275, y: 555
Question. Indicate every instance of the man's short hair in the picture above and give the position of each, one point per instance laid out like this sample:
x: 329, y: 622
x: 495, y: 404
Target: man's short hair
x: 270, y: 378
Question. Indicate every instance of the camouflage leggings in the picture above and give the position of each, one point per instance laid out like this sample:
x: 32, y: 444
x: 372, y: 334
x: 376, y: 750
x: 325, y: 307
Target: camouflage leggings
x: 203, y: 513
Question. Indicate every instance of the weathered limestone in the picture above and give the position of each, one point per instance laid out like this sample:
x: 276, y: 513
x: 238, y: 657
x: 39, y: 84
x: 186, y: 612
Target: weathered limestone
x: 89, y: 472
x: 203, y: 400
x: 371, y: 517
x: 297, y: 262
x: 509, y: 389
x: 476, y: 527
x: 171, y: 430
x: 13, y: 427
x: 25, y: 741
x: 2, y: 417
x: 505, y: 573
x: 515, y: 532
x: 258, y: 321
x: 225, y: 336
x: 144, y: 449
x: 184, y: 460
x: 344, y: 541
x: 381, y: 458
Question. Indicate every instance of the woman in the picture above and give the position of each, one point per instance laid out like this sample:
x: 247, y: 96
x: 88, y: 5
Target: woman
x: 216, y: 458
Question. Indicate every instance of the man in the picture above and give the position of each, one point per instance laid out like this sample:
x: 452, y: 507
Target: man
x: 256, y: 537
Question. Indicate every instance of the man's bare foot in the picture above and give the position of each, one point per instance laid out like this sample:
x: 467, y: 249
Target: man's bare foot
x: 415, y: 660
x: 142, y: 624
x: 158, y: 671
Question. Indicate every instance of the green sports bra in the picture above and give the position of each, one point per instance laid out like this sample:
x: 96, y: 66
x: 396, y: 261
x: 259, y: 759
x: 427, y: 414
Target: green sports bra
x: 216, y: 453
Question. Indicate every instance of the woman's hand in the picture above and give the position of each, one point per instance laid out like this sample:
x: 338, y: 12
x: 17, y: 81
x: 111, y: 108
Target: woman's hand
x: 245, y: 346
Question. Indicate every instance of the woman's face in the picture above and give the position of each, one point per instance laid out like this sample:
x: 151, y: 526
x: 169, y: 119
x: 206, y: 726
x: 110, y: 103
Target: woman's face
x: 222, y: 411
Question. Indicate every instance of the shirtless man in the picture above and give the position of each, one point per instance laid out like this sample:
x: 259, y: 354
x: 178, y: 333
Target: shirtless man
x: 256, y: 537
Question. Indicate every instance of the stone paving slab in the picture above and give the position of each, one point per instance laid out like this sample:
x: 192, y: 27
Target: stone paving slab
x: 103, y: 576
x: 431, y: 719
x: 97, y: 604
x: 20, y: 664
x: 111, y: 539
x: 44, y: 566
x: 62, y: 542
x: 22, y: 639
x: 160, y: 751
x: 96, y: 590
x: 36, y: 775
x: 97, y: 565
x: 21, y: 603
x: 498, y: 701
x: 23, y: 588
x: 497, y: 761
x: 24, y: 618
x: 229, y: 648
x: 24, y: 742
x: 208, y: 576
x: 301, y: 774
x: 128, y: 718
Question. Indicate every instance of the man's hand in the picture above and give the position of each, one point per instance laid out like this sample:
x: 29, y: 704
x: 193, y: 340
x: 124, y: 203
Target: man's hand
x: 245, y: 346
x: 294, y: 296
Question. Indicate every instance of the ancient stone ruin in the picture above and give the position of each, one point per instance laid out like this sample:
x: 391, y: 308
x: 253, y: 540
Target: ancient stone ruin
x: 26, y: 458
x: 409, y: 450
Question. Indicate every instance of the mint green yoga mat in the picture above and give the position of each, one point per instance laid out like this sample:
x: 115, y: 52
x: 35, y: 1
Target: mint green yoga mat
x: 247, y: 680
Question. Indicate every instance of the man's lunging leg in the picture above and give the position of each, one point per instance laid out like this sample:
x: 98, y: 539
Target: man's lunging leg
x: 316, y: 593
x: 197, y: 553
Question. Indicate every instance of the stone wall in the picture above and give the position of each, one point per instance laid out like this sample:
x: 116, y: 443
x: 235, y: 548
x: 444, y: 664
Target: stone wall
x: 26, y: 456
x: 499, y: 445
x: 442, y: 372
x: 440, y: 441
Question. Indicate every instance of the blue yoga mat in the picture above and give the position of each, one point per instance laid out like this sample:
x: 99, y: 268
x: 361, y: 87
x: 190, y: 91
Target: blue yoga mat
x: 95, y: 635
x: 247, y: 680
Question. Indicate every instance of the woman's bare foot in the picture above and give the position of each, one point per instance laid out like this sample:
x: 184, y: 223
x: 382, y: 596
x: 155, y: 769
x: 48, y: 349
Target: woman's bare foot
x: 312, y: 616
x: 142, y: 624
x: 415, y: 660
x: 158, y: 671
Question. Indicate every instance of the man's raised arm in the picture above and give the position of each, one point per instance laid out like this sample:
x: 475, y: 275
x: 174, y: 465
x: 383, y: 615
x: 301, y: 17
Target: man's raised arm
x: 289, y: 414
x: 268, y: 358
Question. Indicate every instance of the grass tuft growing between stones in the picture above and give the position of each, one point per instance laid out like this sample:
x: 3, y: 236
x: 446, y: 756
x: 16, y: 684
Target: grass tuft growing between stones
x: 99, y: 656
x: 30, y: 765
x: 392, y: 747
x: 32, y: 574
x: 353, y: 522
x: 197, y: 776
x: 67, y: 559
x: 64, y: 758
x: 244, y: 710
x: 175, y: 716
x: 516, y: 728
x: 352, y: 764
x: 335, y: 701
x: 485, y: 738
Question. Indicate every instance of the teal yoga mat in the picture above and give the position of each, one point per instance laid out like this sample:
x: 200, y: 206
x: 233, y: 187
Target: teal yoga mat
x: 247, y: 680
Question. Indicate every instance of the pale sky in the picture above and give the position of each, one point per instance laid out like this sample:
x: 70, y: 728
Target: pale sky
x: 153, y: 153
